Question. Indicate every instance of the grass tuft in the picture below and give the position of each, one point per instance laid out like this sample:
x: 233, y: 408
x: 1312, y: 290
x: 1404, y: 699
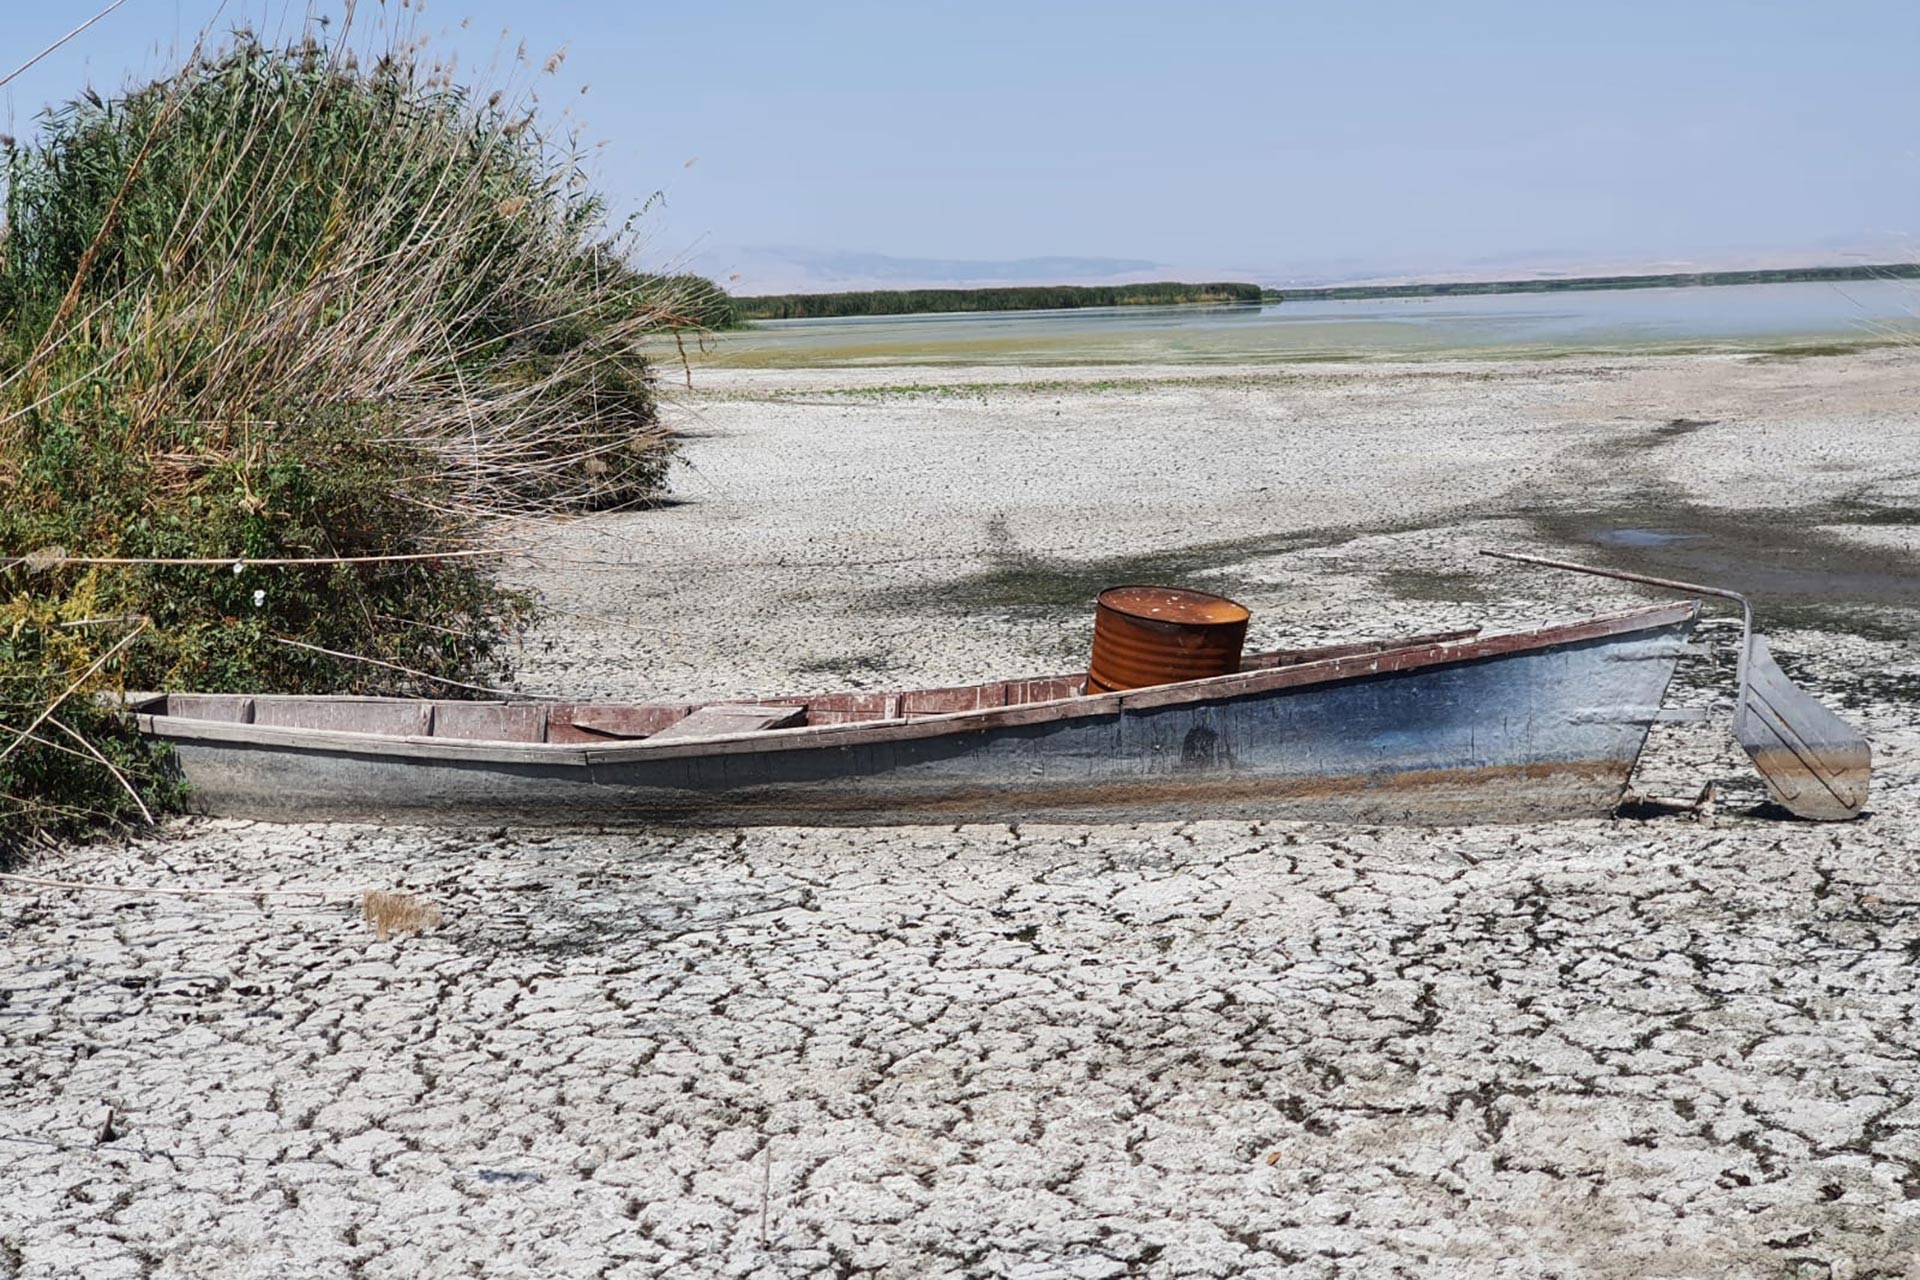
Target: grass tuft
x: 393, y: 914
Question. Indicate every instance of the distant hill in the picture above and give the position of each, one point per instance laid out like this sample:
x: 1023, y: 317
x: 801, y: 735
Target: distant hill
x: 767, y: 269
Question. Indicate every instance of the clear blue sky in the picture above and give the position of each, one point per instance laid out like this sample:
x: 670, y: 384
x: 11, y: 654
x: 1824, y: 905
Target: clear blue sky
x: 1268, y: 138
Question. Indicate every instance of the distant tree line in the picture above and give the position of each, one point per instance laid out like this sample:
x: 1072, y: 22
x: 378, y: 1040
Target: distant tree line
x: 1062, y: 297
x: 1781, y: 275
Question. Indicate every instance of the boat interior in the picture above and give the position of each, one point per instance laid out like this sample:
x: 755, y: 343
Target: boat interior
x: 587, y: 723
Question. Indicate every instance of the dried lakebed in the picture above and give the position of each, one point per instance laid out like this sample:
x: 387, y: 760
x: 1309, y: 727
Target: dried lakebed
x: 1678, y: 1045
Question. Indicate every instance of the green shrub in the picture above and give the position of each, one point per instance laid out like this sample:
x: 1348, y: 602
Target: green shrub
x: 292, y: 304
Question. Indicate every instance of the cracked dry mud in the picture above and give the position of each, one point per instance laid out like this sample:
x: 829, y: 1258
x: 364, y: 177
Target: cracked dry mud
x: 1680, y: 1046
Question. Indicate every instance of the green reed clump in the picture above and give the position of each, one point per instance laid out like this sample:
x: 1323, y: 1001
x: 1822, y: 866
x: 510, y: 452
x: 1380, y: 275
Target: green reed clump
x: 274, y: 231
x: 292, y: 303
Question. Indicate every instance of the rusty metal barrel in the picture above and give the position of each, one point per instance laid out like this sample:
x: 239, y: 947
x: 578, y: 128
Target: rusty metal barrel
x: 1160, y: 635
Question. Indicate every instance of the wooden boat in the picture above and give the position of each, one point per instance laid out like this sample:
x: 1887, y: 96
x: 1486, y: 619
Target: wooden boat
x: 1446, y: 728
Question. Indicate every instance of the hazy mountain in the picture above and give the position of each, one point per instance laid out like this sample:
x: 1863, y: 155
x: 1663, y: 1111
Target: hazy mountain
x: 798, y: 269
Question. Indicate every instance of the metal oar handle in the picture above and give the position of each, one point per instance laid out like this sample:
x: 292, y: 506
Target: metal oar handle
x: 1569, y: 566
x: 1671, y: 584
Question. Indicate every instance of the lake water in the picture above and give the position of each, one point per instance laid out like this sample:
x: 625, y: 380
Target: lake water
x: 1764, y: 317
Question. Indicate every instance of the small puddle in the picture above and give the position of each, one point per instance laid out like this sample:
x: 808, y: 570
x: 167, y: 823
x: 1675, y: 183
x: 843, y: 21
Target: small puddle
x: 1798, y: 572
x: 1642, y: 537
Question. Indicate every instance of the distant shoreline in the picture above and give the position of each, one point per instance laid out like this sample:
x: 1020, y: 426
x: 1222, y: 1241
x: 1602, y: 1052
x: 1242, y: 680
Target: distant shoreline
x: 1588, y: 284
x: 903, y: 302
x: 1060, y: 297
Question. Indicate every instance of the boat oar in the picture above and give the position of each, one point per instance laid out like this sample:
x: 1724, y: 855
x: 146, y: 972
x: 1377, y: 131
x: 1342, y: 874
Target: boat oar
x: 1816, y: 765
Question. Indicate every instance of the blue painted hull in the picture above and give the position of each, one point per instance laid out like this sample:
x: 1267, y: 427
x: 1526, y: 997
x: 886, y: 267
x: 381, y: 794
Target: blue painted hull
x: 1443, y: 735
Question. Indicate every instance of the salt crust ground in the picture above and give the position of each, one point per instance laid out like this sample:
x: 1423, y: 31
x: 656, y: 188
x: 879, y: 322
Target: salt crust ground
x: 1682, y: 1046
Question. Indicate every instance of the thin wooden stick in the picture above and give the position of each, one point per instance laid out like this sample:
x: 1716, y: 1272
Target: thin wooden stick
x: 186, y: 891
x: 243, y: 562
x: 413, y: 622
x: 394, y: 666
x: 84, y: 676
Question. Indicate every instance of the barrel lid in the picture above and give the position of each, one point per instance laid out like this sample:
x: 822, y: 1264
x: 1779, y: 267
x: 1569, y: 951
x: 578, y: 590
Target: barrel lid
x: 1172, y: 604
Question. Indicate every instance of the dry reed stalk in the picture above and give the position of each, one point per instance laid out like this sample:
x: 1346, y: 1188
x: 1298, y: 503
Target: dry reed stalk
x: 13, y: 74
x: 398, y: 913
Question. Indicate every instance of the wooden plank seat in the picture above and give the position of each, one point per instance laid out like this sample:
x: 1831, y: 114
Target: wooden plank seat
x: 709, y: 722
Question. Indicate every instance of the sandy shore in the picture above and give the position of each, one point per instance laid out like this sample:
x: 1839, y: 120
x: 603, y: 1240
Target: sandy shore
x: 1679, y: 1046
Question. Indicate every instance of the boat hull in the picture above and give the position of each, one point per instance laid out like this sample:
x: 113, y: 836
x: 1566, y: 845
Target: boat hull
x: 1545, y: 731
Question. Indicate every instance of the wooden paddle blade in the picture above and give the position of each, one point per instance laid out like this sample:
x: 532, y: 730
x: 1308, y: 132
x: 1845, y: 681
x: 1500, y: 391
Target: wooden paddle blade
x: 1816, y: 764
